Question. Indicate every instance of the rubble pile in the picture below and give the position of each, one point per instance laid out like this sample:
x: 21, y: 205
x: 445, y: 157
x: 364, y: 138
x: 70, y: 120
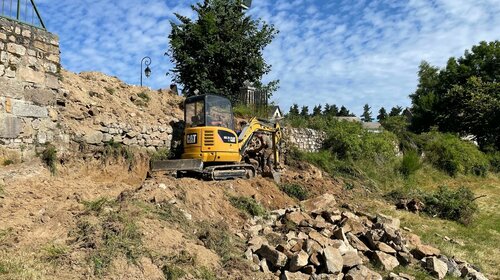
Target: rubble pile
x: 321, y: 241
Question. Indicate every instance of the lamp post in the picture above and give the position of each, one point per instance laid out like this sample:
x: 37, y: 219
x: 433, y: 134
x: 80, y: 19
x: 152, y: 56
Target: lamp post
x: 146, y: 61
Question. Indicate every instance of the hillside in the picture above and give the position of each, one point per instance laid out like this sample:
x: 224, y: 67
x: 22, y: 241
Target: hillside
x: 99, y: 216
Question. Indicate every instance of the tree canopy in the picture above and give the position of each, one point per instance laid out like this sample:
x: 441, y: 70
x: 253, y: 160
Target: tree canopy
x: 464, y: 97
x: 220, y: 50
x: 367, y: 114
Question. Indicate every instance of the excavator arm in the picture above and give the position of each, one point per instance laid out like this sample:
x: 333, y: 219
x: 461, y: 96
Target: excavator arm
x: 258, y: 125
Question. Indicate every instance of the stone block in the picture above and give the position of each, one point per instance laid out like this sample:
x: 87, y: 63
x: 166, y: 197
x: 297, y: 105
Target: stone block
x: 29, y: 75
x: 25, y: 109
x: 10, y: 126
x: 16, y: 49
x: 38, y: 96
x: 3, y: 36
x: 93, y: 137
x: 26, y: 33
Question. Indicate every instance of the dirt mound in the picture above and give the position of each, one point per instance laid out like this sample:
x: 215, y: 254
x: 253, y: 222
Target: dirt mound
x: 92, y: 99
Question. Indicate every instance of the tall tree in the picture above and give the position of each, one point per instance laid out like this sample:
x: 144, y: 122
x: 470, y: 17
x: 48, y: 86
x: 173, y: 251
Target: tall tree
x: 304, y: 112
x: 367, y: 114
x: 294, y: 110
x: 460, y: 94
x: 317, y: 110
x: 382, y: 114
x: 219, y: 50
x: 343, y: 112
x: 396, y: 111
x: 327, y: 109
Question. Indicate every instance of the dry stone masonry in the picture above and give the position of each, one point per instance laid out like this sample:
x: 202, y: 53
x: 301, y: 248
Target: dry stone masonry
x: 319, y: 240
x: 29, y: 85
x: 305, y: 139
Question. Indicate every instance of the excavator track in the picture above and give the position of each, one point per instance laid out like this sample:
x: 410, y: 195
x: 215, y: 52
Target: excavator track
x: 230, y: 171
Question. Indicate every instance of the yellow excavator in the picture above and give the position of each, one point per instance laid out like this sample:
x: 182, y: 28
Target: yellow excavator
x: 212, y: 149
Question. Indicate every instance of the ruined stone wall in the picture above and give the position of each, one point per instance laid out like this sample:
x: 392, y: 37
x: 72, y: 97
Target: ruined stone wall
x: 305, y: 139
x: 29, y: 85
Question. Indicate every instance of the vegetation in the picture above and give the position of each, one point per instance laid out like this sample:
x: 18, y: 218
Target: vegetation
x: 248, y: 205
x: 217, y: 237
x: 464, y: 97
x: 7, y: 162
x: 49, y: 157
x: 55, y: 253
x: 220, y: 50
x: 410, y: 163
x: 115, y: 150
x: 452, y: 155
x: 367, y: 114
x: 160, y: 154
x: 295, y: 190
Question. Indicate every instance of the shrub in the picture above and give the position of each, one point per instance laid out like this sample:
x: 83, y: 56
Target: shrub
x: 144, y: 96
x: 295, y: 190
x: 446, y: 203
x: 161, y: 154
x: 218, y: 237
x: 49, y: 157
x: 452, y: 155
x: 8, y: 162
x: 55, y: 253
x: 456, y: 205
x: 494, y: 159
x: 116, y: 150
x: 248, y: 205
x: 242, y: 111
x: 410, y: 164
x: 172, y: 272
x: 110, y: 90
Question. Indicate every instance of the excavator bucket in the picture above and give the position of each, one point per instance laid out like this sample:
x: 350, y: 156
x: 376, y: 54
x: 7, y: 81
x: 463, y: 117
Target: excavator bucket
x: 176, y: 165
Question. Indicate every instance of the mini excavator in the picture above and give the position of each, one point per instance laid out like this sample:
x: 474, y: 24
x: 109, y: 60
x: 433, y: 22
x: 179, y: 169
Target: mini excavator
x: 212, y: 149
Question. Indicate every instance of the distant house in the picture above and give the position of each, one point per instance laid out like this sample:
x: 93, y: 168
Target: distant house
x: 374, y: 127
x: 348, y: 119
x: 275, y: 113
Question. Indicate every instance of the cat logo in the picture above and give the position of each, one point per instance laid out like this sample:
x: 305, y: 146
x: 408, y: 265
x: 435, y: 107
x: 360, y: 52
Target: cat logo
x: 192, y: 138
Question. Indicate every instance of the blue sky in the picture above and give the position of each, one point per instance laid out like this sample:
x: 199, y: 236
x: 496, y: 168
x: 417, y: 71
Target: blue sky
x: 340, y: 52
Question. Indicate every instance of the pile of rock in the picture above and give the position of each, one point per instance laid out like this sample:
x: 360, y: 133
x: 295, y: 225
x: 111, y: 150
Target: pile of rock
x: 320, y: 241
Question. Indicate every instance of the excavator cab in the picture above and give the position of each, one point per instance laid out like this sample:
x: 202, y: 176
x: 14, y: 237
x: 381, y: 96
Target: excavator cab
x: 209, y: 134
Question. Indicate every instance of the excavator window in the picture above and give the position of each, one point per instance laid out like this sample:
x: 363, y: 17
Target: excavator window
x: 195, y: 113
x: 209, y: 110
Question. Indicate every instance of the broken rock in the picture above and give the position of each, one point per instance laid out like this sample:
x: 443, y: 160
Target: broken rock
x: 422, y: 251
x: 333, y: 259
x: 298, y: 261
x: 436, y: 267
x: 351, y: 259
x: 273, y: 256
x: 361, y: 272
x: 386, y: 261
x: 287, y: 275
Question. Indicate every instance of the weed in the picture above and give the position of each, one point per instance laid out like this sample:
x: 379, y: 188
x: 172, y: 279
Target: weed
x: 161, y: 154
x: 97, y: 205
x: 110, y: 90
x: 49, y: 157
x: 116, y: 150
x: 205, y: 273
x: 172, y: 214
x: 494, y: 159
x: 144, y: 96
x: 8, y: 162
x: 410, y: 164
x: 55, y: 253
x: 217, y: 237
x: 173, y: 272
x: 295, y: 190
x: 248, y: 205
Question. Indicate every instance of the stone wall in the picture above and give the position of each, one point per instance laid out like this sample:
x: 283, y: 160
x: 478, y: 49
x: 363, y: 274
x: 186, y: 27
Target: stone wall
x: 305, y: 139
x: 29, y: 85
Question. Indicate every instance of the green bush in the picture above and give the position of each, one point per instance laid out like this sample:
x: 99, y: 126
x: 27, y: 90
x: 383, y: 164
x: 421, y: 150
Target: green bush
x: 452, y: 155
x: 455, y: 205
x: 295, y: 190
x: 248, y: 205
x: 161, y: 154
x: 446, y: 203
x: 242, y: 111
x: 494, y: 159
x: 49, y: 157
x: 410, y: 164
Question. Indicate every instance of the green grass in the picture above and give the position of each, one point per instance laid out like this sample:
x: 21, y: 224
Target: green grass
x: 295, y: 190
x: 115, y: 150
x: 161, y: 154
x: 55, y: 253
x: 218, y: 238
x: 248, y: 205
x: 49, y: 157
x: 98, y: 204
x: 172, y: 272
x: 7, y: 162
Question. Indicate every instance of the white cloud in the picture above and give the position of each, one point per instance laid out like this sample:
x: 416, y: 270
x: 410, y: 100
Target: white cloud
x: 343, y: 52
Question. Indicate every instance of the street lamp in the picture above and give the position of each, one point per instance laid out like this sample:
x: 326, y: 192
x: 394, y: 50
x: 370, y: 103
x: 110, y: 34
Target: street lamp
x: 146, y: 61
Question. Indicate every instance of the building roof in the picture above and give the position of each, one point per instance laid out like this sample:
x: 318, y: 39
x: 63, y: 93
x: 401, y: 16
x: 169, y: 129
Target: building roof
x: 372, y: 125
